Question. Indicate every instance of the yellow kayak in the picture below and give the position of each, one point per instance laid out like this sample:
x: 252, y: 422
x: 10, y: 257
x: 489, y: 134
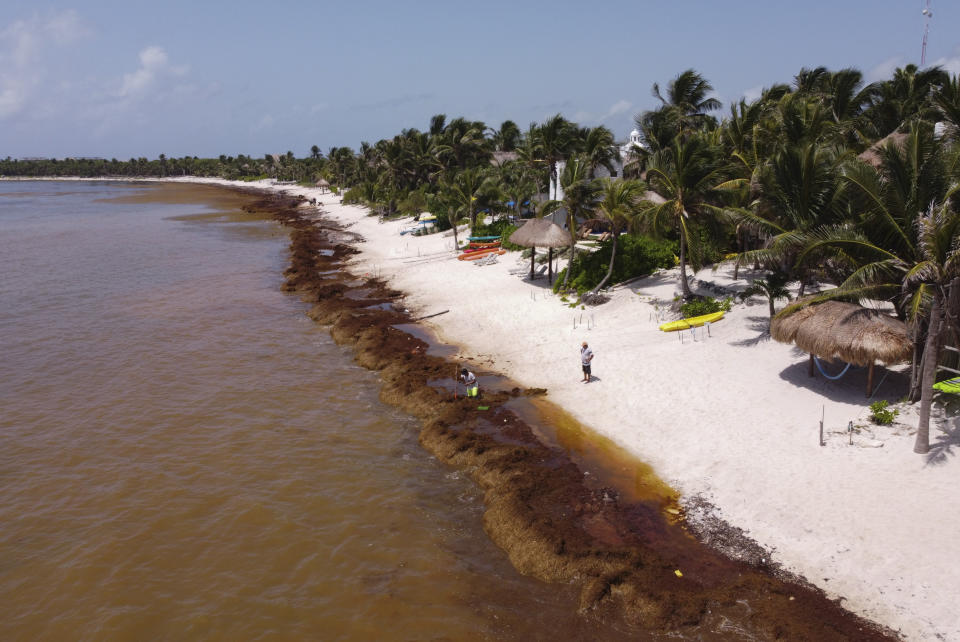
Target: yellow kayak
x: 692, y: 322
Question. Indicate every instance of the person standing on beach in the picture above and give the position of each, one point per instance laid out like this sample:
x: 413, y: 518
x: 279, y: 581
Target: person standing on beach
x: 586, y: 356
x: 470, y: 382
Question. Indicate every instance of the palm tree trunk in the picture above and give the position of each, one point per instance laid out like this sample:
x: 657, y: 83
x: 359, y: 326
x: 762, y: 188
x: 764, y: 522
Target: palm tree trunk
x: 453, y: 224
x: 915, y: 365
x: 613, y: 255
x: 571, y: 222
x: 683, y: 265
x: 930, y: 353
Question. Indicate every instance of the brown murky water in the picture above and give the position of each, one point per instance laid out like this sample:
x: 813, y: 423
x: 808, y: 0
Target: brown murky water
x: 184, y: 455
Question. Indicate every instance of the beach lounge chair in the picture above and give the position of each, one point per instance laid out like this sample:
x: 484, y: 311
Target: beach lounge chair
x: 540, y: 271
x: 487, y: 260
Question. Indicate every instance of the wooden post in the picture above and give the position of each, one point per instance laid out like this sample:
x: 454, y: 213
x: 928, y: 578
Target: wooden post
x: 810, y: 367
x: 823, y: 415
x: 533, y: 254
x: 550, y: 264
x: 870, y: 380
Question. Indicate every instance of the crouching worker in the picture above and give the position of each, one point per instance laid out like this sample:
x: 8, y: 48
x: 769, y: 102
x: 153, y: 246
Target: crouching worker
x: 470, y: 382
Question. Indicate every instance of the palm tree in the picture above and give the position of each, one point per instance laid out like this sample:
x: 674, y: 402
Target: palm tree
x: 618, y: 204
x: 599, y: 148
x: 947, y: 101
x: 555, y: 141
x: 931, y: 277
x: 462, y: 145
x: 580, y: 194
x: 530, y: 155
x: 844, y: 98
x: 685, y: 175
x: 905, y: 97
x: 904, y: 248
x: 517, y: 183
x: 462, y: 192
x: 507, y: 138
x: 793, y: 183
x: 686, y: 104
x: 773, y: 287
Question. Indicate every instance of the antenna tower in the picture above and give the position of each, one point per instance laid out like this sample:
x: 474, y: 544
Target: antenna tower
x: 927, y: 14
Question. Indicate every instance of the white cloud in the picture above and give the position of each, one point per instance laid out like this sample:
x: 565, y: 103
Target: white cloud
x: 66, y: 27
x: 884, y: 71
x: 753, y: 93
x: 24, y: 47
x: 11, y: 99
x: 581, y: 116
x: 618, y: 107
x: 265, y: 122
x: 154, y: 66
x: 950, y: 65
x: 584, y: 117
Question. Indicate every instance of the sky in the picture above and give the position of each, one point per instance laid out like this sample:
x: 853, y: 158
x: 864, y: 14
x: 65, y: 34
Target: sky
x: 123, y: 79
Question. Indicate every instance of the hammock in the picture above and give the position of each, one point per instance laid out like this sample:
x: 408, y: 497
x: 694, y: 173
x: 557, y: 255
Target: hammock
x: 834, y: 377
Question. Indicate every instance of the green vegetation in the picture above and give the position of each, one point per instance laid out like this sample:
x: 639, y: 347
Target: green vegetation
x: 773, y: 287
x: 706, y: 305
x: 881, y: 414
x: 638, y: 255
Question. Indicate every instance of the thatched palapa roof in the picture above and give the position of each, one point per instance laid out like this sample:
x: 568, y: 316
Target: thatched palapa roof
x: 872, y: 154
x: 538, y: 232
x: 846, y: 331
x: 653, y: 197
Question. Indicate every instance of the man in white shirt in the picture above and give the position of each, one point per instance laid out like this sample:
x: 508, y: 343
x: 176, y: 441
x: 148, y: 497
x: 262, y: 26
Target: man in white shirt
x: 586, y: 356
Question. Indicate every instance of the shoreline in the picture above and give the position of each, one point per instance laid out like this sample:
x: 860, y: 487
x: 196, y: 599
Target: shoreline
x: 850, y: 519
x: 846, y: 518
x: 553, y: 521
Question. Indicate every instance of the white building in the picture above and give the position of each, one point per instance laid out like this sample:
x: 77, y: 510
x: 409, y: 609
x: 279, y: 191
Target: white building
x: 625, y: 153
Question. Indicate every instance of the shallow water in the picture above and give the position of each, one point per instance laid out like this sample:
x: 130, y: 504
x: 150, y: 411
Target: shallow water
x: 183, y: 454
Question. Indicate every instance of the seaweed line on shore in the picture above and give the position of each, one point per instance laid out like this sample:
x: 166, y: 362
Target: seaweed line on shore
x: 628, y: 561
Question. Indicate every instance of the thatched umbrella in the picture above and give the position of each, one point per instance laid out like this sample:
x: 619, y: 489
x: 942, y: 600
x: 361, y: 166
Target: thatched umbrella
x: 539, y: 232
x: 653, y: 197
x: 845, y: 331
x: 323, y: 185
x: 872, y: 154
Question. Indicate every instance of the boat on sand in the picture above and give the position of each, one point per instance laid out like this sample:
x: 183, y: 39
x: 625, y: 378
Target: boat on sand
x: 692, y: 322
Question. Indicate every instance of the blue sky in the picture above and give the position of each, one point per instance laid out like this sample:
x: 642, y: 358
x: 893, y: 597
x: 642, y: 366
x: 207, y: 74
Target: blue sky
x: 130, y: 78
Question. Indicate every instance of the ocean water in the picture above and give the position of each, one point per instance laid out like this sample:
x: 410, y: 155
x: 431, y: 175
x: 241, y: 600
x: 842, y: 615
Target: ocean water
x: 184, y: 455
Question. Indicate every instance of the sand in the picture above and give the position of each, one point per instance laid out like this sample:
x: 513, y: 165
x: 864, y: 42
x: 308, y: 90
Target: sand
x: 730, y: 420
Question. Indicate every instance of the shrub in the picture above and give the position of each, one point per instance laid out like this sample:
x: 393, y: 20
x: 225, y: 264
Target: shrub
x: 881, y: 414
x: 705, y: 305
x: 501, y: 227
x: 353, y: 195
x: 637, y: 255
x: 413, y: 204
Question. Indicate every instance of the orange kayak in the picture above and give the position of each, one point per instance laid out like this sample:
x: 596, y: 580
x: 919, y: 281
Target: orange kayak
x: 480, y: 254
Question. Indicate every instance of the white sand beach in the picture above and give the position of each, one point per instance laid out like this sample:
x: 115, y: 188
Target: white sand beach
x: 732, y: 419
